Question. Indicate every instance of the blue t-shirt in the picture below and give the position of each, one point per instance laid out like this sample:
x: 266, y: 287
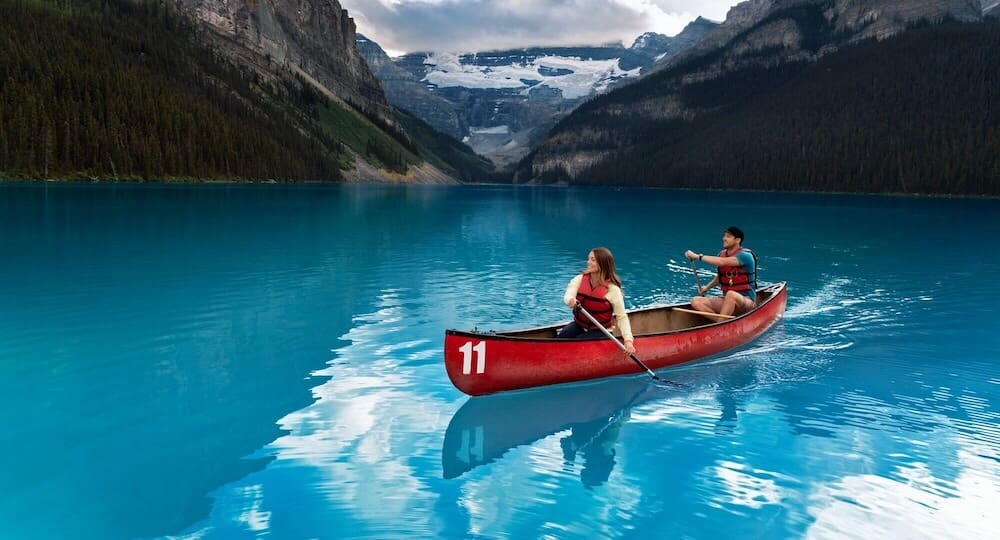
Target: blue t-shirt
x: 747, y: 263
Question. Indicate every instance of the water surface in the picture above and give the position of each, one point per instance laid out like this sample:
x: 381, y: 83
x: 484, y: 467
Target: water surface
x: 234, y: 361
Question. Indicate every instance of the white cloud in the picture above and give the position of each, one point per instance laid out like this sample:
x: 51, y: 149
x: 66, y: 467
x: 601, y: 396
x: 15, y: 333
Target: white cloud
x: 919, y: 505
x: 482, y: 25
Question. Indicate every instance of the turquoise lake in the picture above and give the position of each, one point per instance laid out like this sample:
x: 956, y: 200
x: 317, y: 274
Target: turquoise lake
x: 232, y: 361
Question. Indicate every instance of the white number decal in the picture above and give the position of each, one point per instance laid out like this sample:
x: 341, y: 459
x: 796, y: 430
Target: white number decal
x: 467, y: 350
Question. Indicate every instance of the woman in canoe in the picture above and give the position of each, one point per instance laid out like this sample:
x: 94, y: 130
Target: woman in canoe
x: 599, y: 290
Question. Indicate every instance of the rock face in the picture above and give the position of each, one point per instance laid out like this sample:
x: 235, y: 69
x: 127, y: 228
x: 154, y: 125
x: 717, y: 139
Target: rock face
x: 312, y: 37
x: 656, y: 49
x: 502, y: 102
x: 756, y: 33
x: 809, y: 28
x: 991, y: 8
x: 404, y: 90
x: 505, y: 101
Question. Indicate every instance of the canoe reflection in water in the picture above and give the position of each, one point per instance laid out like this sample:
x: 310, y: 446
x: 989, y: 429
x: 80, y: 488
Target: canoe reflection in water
x: 485, y: 428
x: 596, y: 442
x: 589, y: 416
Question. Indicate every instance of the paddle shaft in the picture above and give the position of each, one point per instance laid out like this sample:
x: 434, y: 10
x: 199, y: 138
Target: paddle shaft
x: 697, y: 280
x: 617, y: 342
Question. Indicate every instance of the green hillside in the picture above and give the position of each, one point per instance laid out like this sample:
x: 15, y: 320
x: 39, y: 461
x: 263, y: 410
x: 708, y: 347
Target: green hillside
x: 447, y: 153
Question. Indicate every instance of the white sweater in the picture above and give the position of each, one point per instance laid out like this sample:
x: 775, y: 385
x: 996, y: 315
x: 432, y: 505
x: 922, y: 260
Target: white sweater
x: 615, y: 296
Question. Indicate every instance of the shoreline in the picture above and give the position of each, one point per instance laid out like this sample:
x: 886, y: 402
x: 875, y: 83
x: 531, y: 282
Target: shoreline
x: 387, y: 182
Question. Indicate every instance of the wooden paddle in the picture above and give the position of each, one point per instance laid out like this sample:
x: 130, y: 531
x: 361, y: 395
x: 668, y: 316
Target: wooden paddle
x: 697, y: 281
x: 617, y: 342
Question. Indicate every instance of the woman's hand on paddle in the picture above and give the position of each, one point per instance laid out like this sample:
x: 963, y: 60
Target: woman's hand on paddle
x: 702, y: 291
x: 690, y: 255
x: 629, y: 348
x: 572, y: 303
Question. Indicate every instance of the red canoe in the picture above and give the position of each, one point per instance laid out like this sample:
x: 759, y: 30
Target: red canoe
x: 486, y: 362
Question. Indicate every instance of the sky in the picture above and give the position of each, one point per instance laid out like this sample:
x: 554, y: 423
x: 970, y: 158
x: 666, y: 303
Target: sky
x: 401, y: 26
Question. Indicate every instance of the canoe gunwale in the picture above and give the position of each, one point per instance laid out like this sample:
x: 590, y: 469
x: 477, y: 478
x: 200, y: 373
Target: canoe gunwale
x: 774, y: 289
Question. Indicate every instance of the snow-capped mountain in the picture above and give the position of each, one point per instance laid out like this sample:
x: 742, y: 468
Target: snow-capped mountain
x: 505, y: 100
x: 574, y: 73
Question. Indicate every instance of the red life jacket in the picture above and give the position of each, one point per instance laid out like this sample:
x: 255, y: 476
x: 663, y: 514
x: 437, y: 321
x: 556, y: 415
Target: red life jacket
x: 735, y: 278
x: 593, y: 300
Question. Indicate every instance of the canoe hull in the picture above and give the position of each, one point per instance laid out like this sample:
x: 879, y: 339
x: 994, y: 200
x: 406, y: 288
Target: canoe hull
x: 484, y: 363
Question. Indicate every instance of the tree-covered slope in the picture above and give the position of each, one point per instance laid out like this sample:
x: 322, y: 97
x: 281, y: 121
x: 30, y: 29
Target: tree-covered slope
x: 116, y: 89
x: 915, y: 113
x: 122, y: 89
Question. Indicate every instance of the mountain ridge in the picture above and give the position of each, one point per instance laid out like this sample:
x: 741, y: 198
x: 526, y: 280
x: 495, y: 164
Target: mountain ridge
x: 404, y: 90
x: 500, y: 102
x: 880, y: 116
x: 793, y: 32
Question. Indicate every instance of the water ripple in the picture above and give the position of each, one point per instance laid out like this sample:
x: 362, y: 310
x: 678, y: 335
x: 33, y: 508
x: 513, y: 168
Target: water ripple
x: 252, y: 361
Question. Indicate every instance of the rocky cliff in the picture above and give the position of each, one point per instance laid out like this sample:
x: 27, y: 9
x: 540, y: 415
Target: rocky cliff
x: 755, y: 34
x: 853, y: 20
x: 773, y: 31
x: 312, y: 37
x: 991, y: 8
x: 653, y: 49
x: 404, y: 90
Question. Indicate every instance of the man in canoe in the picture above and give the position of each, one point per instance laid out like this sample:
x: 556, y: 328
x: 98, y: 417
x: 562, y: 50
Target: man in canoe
x: 737, y: 275
x: 599, y: 290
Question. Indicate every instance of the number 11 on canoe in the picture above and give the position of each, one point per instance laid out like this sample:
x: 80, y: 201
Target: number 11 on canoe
x: 467, y: 350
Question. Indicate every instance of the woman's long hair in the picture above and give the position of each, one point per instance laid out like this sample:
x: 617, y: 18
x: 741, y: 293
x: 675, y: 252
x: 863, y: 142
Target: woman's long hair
x: 606, y: 262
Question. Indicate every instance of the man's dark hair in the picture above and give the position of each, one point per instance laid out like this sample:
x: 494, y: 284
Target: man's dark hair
x: 736, y: 231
